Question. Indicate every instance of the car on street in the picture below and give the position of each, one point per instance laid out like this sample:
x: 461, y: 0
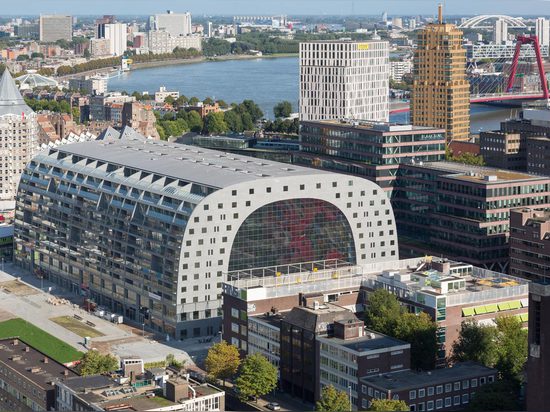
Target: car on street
x: 273, y: 406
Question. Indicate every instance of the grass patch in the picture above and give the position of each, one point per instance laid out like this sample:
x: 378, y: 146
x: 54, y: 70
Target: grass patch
x: 75, y: 326
x: 39, y: 339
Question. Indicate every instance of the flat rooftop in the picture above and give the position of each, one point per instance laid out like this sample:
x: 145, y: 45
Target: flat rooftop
x: 369, y: 342
x: 405, y: 380
x: 378, y: 127
x: 30, y: 363
x: 212, y: 168
x: 478, y: 174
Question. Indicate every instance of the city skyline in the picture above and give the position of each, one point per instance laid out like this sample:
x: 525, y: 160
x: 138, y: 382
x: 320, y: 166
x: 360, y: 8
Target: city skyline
x: 312, y: 7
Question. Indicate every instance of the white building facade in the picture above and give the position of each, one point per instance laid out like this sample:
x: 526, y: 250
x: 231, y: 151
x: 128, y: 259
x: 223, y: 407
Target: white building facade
x: 116, y: 34
x: 344, y: 79
x: 400, y: 68
x: 150, y: 229
x: 542, y: 30
x: 177, y: 24
x: 18, y: 138
x: 160, y: 42
x: 500, y: 34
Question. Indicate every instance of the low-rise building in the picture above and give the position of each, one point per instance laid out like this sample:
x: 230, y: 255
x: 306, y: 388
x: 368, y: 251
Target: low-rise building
x: 504, y: 150
x: 162, y: 94
x: 204, y: 109
x: 28, y: 377
x: 141, y: 118
x: 90, y: 84
x: 441, y: 389
x: 161, y: 41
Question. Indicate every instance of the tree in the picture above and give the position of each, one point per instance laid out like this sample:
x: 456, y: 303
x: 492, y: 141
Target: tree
x: 194, y: 121
x: 222, y: 361
x: 94, y: 363
x: 169, y: 100
x: 257, y: 377
x: 234, y: 121
x: 86, y: 53
x: 383, y: 405
x: 208, y: 101
x: 383, y: 311
x: 475, y: 343
x: 215, y: 123
x: 420, y: 331
x: 333, y: 400
x: 496, y: 396
x: 283, y: 109
x: 512, y: 348
x: 193, y: 101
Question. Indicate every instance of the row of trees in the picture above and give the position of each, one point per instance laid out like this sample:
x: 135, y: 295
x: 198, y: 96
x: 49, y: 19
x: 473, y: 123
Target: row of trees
x: 55, y: 106
x: 333, y: 400
x: 465, y: 158
x: 256, y: 376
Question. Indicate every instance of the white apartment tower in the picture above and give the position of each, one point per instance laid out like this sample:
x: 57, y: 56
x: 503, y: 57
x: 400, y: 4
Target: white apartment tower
x: 500, y: 35
x: 344, y: 79
x: 116, y: 34
x: 176, y: 24
x: 542, y: 29
x: 18, y: 137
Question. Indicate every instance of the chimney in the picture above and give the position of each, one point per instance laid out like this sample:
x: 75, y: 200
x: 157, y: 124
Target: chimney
x: 15, y: 342
x: 66, y: 372
x: 440, y: 13
x: 45, y: 359
x: 26, y: 349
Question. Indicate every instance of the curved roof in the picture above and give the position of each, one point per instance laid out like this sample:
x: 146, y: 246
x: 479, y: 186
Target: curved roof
x: 189, y: 163
x: 36, y: 80
x: 477, y: 21
x: 11, y: 101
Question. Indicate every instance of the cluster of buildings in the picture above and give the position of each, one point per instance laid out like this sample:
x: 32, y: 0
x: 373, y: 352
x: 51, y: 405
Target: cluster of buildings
x: 30, y: 380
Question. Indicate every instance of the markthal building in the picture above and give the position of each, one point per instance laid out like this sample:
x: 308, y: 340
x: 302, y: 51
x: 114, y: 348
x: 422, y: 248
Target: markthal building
x: 150, y: 229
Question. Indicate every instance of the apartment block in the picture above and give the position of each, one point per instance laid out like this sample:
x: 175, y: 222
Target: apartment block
x: 448, y: 389
x: 55, y: 27
x: 344, y: 80
x: 505, y: 150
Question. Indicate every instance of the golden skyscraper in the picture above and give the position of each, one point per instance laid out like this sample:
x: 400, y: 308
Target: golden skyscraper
x: 441, y: 91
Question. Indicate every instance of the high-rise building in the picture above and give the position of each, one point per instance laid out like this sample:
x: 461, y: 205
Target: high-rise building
x: 56, y: 27
x: 441, y: 91
x: 542, y: 30
x: 177, y: 24
x: 116, y: 34
x: 500, y: 33
x: 530, y: 257
x: 209, y: 29
x: 161, y: 41
x: 344, y: 80
x: 151, y: 229
x: 19, y: 131
x: 397, y: 22
x: 384, y: 16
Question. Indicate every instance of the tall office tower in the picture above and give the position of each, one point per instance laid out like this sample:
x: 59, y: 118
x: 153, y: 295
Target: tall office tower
x: 441, y: 91
x: 177, y: 24
x: 500, y: 34
x: 19, y: 131
x: 56, y: 27
x: 210, y: 30
x: 116, y: 34
x: 344, y: 80
x: 412, y: 24
x: 397, y: 22
x: 542, y: 29
x: 384, y: 16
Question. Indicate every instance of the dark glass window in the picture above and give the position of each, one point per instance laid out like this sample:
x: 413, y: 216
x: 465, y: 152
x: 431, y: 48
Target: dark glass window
x: 292, y: 231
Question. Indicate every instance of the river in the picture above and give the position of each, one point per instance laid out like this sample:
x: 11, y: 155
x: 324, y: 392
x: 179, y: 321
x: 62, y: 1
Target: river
x: 267, y: 81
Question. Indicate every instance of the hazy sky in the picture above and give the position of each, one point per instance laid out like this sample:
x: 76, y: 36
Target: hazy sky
x: 231, y: 7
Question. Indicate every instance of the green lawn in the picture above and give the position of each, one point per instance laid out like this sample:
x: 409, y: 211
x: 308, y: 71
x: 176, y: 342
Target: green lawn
x: 40, y: 340
x: 75, y: 326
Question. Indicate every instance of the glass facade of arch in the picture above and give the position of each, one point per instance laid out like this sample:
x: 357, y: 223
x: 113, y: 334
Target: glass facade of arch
x: 292, y: 231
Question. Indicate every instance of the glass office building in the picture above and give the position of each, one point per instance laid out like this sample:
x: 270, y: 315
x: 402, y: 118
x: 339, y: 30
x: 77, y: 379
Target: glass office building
x: 150, y: 229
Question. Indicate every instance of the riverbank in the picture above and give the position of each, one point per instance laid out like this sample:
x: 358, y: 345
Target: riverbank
x: 203, y: 59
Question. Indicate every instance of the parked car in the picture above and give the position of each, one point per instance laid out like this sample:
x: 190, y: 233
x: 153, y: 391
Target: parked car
x: 273, y: 406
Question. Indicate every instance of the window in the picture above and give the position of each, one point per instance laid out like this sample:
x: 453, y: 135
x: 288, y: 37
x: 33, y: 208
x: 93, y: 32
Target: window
x: 474, y: 383
x: 465, y: 384
x: 439, y: 404
x: 465, y: 398
x: 448, y: 387
x: 421, y: 407
x: 430, y: 405
x: 491, y: 379
x: 421, y: 393
x: 439, y: 389
x: 251, y: 191
x: 268, y: 189
x: 370, y: 391
x: 448, y: 402
x: 365, y: 404
x: 456, y: 400
x: 431, y: 391
x: 457, y: 386
x: 234, y: 313
x: 412, y: 394
x: 234, y: 328
x: 482, y: 381
x: 412, y: 407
